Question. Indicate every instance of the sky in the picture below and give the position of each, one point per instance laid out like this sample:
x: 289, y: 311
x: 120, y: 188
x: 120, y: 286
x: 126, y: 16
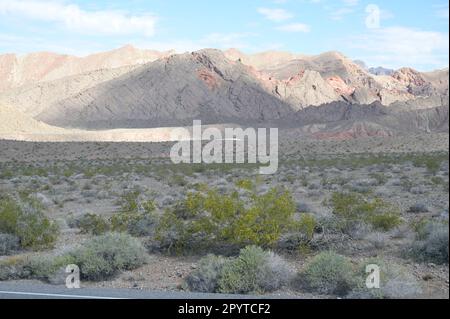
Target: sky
x: 391, y: 34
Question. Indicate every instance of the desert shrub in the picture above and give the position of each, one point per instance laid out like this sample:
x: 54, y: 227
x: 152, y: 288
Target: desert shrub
x: 205, y: 277
x: 93, y: 224
x: 190, y: 207
x: 253, y: 271
x: 104, y: 256
x: 396, y: 281
x: 431, y: 242
x: 170, y: 235
x: 177, y: 180
x: 129, y: 201
x: 307, y: 225
x: 205, y: 221
x: 8, y: 244
x: 12, y: 268
x: 244, y: 184
x: 135, y: 217
x: 300, y: 238
x: 135, y: 223
x: 264, y: 223
x: 27, y: 221
x: 354, y: 208
x: 330, y: 274
x: 377, y: 240
x: 384, y: 221
x: 44, y: 267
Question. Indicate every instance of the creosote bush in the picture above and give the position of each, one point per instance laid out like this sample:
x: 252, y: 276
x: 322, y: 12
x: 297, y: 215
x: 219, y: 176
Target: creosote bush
x: 354, y: 208
x: 204, y: 221
x: 27, y: 221
x: 253, y: 271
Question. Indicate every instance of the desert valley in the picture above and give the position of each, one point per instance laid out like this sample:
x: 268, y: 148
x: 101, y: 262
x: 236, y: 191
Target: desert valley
x: 86, y: 178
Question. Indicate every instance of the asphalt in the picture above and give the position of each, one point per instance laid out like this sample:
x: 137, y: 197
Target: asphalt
x: 44, y: 291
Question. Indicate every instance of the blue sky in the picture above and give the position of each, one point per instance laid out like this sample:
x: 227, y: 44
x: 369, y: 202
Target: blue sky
x: 388, y: 33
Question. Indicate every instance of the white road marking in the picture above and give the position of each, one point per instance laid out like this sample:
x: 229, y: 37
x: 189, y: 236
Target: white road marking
x: 55, y: 295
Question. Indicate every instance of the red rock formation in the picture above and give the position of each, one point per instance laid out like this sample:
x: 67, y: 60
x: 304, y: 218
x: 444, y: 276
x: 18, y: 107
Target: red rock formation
x: 209, y: 78
x: 340, y: 86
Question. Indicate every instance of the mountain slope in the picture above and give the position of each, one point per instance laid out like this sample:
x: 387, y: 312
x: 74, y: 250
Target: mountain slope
x: 16, y: 70
x: 172, y: 91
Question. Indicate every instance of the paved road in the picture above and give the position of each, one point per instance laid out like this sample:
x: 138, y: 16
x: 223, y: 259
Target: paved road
x: 10, y: 290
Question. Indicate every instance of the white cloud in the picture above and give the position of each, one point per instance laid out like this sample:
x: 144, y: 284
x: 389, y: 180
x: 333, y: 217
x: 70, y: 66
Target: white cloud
x: 276, y: 15
x: 339, y: 14
x: 75, y: 19
x: 295, y: 27
x: 394, y: 47
x: 348, y: 7
x: 350, y: 3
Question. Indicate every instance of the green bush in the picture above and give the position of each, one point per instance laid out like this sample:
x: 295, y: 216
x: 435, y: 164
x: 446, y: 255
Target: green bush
x: 27, y: 221
x: 353, y: 208
x: 253, y: 271
x: 93, y: 224
x: 136, y: 223
x: 205, y: 221
x: 307, y: 225
x: 136, y: 216
x: 205, y: 277
x: 330, y: 274
x: 384, y: 221
x: 104, y: 256
x: 44, y: 267
x: 299, y: 240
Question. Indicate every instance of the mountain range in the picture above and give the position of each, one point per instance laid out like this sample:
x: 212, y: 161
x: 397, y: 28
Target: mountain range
x: 327, y: 95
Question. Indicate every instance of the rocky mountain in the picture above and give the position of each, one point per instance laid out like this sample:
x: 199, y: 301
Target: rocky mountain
x: 131, y: 88
x: 172, y: 91
x: 19, y: 70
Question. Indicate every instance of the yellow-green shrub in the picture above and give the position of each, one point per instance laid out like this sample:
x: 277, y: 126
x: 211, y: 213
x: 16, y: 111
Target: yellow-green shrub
x: 353, y: 208
x: 27, y: 221
x: 215, y: 219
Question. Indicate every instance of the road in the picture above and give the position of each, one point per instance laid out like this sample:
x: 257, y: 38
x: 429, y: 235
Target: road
x: 12, y: 290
